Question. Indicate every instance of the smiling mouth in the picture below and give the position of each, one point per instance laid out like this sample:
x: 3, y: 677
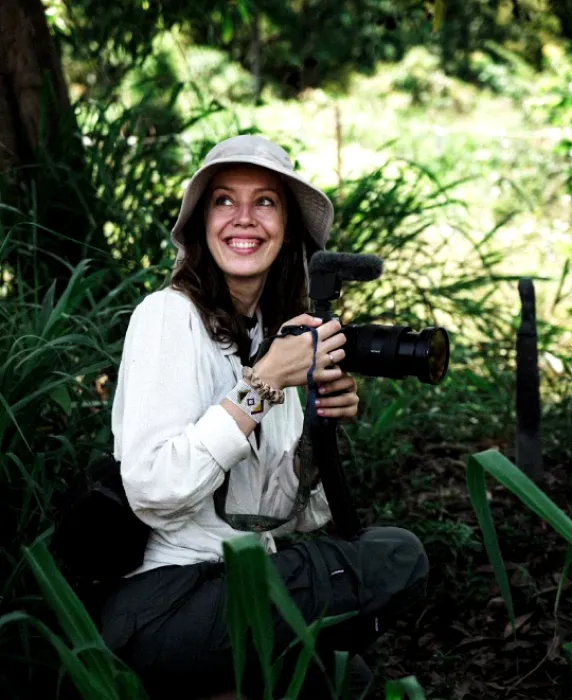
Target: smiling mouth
x: 244, y: 243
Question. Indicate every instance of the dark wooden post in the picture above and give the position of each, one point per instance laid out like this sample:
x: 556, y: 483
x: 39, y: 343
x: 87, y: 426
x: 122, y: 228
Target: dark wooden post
x: 528, y: 413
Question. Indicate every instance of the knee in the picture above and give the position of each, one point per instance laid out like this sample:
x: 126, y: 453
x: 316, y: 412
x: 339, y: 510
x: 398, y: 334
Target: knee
x: 403, y: 551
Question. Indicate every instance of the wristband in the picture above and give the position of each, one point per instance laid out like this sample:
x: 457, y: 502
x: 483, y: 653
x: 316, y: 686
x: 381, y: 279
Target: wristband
x: 267, y: 392
x: 249, y: 401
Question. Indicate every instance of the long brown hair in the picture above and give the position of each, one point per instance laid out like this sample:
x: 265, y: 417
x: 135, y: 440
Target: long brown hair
x: 285, y: 293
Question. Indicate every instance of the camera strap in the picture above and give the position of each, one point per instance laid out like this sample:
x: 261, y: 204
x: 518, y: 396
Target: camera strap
x: 263, y: 523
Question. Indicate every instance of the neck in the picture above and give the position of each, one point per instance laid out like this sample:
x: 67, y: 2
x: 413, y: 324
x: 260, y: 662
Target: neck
x: 245, y: 294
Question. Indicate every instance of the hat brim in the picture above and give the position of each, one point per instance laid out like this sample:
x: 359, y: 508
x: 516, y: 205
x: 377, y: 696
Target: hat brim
x: 316, y: 209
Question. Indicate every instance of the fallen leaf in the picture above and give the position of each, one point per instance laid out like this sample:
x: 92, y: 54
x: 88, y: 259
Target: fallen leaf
x: 519, y: 622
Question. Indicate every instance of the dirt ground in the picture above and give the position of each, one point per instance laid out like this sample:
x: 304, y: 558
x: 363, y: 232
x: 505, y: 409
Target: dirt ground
x: 457, y: 641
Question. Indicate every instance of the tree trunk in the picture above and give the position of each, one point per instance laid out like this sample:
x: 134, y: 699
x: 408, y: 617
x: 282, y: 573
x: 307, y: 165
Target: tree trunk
x: 29, y: 69
x: 42, y: 160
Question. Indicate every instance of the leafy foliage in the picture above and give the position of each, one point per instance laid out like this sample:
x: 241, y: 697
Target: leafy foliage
x: 295, y: 45
x: 144, y: 127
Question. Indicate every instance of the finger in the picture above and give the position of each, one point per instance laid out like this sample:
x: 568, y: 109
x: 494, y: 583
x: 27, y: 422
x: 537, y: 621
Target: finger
x: 304, y: 320
x: 329, y: 328
x: 345, y: 413
x: 348, y: 400
x: 334, y: 342
x: 345, y: 383
x: 332, y: 358
x: 325, y: 376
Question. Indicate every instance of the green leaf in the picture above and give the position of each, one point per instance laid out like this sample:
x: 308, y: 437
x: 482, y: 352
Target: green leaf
x: 64, y: 303
x: 77, y: 625
x: 227, y: 30
x: 510, y: 476
x: 242, y: 7
x: 62, y: 397
x: 563, y: 578
x: 249, y: 601
x: 47, y: 307
x: 88, y: 684
x: 388, y: 416
x: 12, y: 417
x: 478, y: 493
x: 409, y: 686
x: 304, y: 658
x: 341, y: 673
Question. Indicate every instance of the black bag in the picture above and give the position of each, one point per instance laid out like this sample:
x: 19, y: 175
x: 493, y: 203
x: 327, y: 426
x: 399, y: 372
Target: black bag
x: 98, y: 536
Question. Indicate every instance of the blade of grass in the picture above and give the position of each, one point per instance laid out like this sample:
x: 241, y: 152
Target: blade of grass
x: 246, y: 569
x: 563, y: 578
x: 409, y: 686
x: 510, y: 476
x: 341, y: 674
x: 12, y: 417
x: 86, y: 683
x: 77, y: 625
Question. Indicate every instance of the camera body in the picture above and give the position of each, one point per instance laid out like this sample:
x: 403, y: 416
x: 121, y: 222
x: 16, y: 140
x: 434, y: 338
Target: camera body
x: 373, y: 349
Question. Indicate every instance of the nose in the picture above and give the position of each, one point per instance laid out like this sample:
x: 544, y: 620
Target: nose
x: 244, y: 215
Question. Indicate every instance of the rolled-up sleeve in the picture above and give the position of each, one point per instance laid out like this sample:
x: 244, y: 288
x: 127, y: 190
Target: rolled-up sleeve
x: 174, y: 451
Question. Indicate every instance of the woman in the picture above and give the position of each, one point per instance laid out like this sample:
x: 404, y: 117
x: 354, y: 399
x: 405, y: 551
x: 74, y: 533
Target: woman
x: 192, y: 419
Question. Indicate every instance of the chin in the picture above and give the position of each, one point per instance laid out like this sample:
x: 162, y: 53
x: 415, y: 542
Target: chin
x: 246, y: 268
x: 245, y: 272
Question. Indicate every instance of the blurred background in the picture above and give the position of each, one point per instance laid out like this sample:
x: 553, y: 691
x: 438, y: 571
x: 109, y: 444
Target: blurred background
x: 442, y: 131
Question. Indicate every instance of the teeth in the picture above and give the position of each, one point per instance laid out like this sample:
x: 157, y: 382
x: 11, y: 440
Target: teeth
x: 244, y: 244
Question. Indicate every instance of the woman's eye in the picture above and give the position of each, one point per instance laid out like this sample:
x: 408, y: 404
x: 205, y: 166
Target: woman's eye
x: 266, y: 202
x: 222, y: 200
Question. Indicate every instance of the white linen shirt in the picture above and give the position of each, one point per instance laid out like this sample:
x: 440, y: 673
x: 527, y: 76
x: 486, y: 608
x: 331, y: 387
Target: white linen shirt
x: 175, y: 441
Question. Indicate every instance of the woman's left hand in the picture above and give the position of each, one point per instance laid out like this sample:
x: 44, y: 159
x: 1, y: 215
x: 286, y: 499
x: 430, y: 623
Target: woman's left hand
x: 344, y: 406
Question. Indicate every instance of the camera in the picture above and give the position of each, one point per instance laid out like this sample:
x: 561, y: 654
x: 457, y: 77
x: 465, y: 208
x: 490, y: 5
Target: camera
x: 373, y: 349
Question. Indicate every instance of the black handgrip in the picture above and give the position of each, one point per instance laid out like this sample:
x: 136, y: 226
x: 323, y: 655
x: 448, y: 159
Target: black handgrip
x: 327, y: 460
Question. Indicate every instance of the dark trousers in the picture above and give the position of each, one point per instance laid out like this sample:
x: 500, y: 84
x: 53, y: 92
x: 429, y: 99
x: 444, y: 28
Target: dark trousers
x: 168, y: 624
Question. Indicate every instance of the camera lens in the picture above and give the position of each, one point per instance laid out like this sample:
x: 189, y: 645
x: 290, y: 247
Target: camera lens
x: 397, y: 352
x: 424, y: 355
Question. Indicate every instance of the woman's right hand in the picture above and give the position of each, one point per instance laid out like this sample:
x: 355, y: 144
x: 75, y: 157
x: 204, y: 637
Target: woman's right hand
x: 289, y: 358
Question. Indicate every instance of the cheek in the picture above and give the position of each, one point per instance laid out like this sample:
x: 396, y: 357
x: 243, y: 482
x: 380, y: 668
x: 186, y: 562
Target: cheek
x: 276, y: 224
x: 214, y: 223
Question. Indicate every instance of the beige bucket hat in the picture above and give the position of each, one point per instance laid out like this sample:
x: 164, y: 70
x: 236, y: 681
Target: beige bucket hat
x: 317, y: 210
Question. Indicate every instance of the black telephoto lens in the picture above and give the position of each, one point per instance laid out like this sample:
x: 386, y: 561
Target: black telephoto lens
x: 396, y: 352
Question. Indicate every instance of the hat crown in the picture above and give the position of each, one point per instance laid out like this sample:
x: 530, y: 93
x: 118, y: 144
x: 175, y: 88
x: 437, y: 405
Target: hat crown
x: 249, y: 146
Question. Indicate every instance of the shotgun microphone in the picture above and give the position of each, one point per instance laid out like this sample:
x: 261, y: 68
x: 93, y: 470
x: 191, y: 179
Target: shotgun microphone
x: 347, y: 266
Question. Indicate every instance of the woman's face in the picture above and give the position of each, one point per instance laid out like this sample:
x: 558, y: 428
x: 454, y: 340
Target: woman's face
x: 245, y: 218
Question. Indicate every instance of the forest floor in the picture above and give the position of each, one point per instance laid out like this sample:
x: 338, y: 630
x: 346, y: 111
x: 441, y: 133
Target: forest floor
x: 457, y: 641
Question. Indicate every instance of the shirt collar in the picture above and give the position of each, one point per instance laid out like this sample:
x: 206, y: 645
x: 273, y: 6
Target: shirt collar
x: 256, y: 335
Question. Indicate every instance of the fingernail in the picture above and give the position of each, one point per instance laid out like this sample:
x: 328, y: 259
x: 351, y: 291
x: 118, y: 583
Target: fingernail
x: 321, y: 412
x: 316, y: 318
x: 322, y: 390
x: 317, y: 402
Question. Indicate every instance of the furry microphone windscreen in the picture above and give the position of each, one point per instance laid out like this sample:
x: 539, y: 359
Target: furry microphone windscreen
x: 347, y: 266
